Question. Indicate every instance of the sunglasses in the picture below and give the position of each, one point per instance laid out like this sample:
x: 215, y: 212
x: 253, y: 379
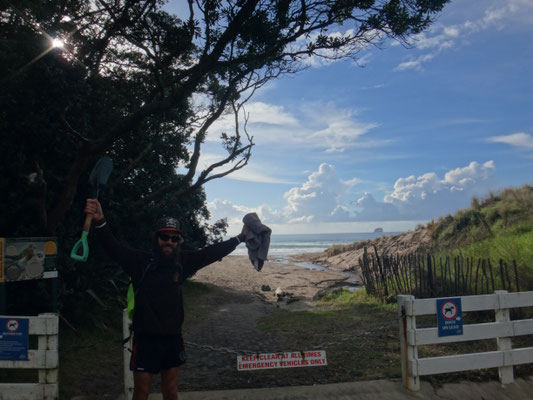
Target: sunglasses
x: 165, y: 238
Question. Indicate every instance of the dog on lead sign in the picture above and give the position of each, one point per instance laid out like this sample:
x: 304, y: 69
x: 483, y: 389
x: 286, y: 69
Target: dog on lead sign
x: 449, y: 317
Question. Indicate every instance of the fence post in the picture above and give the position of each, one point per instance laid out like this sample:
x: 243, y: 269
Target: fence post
x: 502, y: 315
x: 128, y: 375
x: 409, y: 353
x: 49, y: 341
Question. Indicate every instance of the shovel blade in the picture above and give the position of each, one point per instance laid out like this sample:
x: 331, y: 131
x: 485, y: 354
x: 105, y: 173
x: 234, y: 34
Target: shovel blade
x: 100, y: 173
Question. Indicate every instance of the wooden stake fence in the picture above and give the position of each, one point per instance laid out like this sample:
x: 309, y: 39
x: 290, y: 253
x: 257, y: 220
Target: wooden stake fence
x: 424, y: 275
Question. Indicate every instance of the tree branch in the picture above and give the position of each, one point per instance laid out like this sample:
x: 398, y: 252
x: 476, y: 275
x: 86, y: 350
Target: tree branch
x: 204, y: 176
x: 72, y: 130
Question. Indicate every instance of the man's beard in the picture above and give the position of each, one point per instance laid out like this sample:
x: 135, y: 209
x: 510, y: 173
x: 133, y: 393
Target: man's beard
x: 168, y: 256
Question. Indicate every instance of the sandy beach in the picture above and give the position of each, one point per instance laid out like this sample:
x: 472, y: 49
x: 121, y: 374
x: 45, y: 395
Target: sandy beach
x: 237, y: 273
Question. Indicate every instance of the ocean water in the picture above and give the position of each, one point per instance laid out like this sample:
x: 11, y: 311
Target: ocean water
x: 282, y: 246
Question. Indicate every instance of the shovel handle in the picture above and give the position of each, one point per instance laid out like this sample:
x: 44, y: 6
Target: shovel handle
x: 82, y: 243
x: 87, y: 224
x: 83, y: 246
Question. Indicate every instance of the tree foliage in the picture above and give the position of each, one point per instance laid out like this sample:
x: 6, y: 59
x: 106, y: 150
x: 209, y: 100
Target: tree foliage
x: 144, y: 87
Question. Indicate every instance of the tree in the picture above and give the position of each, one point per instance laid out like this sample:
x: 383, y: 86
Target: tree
x: 145, y: 86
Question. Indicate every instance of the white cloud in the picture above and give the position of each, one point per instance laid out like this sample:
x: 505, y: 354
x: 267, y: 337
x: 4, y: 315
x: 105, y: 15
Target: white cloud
x: 220, y: 209
x: 352, y: 182
x: 519, y: 139
x: 415, y: 64
x: 341, y: 128
x: 313, y: 125
x: 263, y: 115
x: 252, y: 172
x: 234, y: 214
x: 318, y: 199
x: 322, y: 198
x: 373, y: 210
x: 427, y: 196
x: 460, y: 178
x: 511, y: 10
x: 497, y: 15
x: 270, y: 114
x: 377, y: 86
x: 325, y: 57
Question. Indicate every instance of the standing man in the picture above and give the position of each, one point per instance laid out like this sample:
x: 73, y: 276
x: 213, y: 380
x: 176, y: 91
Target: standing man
x: 157, y: 282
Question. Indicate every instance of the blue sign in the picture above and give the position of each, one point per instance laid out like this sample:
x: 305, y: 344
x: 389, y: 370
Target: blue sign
x: 450, y: 316
x: 14, y: 334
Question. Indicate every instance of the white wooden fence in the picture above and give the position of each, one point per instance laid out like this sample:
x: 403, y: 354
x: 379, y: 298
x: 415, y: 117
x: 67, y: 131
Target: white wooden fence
x: 128, y: 375
x: 503, y: 329
x: 45, y: 358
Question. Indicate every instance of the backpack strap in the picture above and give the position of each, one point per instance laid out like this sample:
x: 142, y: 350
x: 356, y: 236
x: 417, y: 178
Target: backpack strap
x: 132, y: 293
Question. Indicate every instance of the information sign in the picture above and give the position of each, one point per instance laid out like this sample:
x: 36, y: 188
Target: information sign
x: 27, y: 258
x: 449, y: 316
x: 315, y: 358
x: 14, y: 339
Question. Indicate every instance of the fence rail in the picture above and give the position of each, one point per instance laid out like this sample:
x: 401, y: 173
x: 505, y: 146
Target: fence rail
x: 424, y: 275
x: 503, y: 330
x: 45, y: 358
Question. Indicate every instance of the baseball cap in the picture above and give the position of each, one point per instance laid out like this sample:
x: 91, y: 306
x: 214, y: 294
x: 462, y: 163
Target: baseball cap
x: 168, y: 224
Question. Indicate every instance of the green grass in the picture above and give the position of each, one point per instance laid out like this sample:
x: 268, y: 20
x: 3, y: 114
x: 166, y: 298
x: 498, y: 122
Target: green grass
x: 91, y: 355
x: 496, y: 215
x: 510, y: 244
x: 348, y: 298
x: 348, y: 314
x: 507, y: 246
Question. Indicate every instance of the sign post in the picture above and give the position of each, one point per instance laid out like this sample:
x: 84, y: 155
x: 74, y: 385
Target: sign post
x: 450, y: 316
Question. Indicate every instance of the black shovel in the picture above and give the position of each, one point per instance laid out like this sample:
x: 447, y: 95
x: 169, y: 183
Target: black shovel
x: 98, y: 178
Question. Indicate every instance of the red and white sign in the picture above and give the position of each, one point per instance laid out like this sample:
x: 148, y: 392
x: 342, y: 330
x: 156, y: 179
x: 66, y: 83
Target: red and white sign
x: 12, y: 325
x: 449, y: 310
x: 314, y: 358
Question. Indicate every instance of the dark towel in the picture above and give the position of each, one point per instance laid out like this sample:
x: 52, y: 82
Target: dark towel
x: 257, y: 240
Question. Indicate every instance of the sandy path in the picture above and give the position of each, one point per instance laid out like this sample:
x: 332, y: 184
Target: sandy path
x: 234, y: 311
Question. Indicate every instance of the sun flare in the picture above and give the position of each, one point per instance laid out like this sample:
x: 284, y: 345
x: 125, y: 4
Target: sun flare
x: 57, y: 43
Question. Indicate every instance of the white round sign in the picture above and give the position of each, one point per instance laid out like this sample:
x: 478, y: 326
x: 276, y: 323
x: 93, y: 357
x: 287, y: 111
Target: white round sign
x: 12, y: 325
x: 449, y: 310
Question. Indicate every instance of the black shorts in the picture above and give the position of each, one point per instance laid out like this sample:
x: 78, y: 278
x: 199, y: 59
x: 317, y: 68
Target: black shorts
x: 153, y: 353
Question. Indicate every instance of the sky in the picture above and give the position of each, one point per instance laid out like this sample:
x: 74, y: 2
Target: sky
x: 406, y: 135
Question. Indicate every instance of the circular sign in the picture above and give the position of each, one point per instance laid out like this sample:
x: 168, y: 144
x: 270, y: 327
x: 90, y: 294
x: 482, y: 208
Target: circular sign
x: 11, y: 251
x: 34, y: 268
x: 12, y: 325
x: 449, y: 310
x: 50, y: 248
